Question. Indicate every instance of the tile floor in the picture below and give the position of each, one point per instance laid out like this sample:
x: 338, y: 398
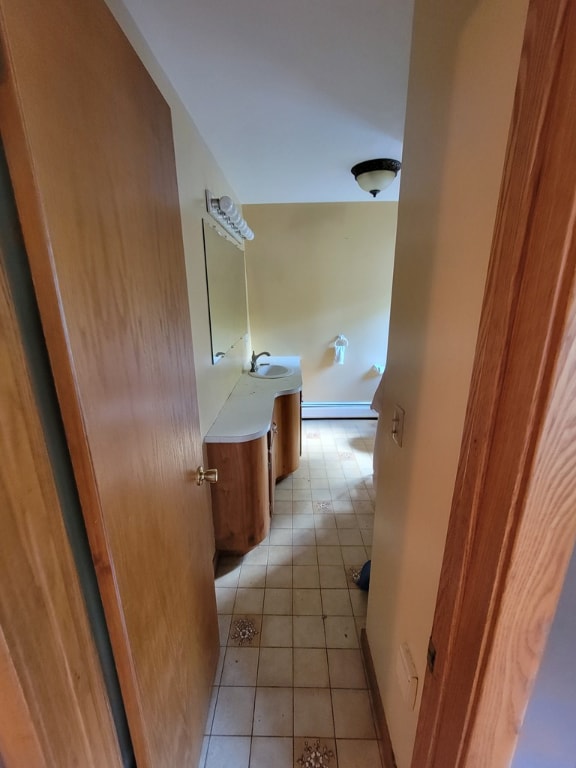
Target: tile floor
x: 290, y: 687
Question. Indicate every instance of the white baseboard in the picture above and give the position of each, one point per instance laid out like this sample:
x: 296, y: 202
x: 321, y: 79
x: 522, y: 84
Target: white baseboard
x: 338, y: 411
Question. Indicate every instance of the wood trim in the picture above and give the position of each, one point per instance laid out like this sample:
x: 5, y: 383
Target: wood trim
x: 383, y: 734
x: 510, y: 531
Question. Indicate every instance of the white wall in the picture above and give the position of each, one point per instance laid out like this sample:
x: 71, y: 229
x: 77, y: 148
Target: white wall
x: 318, y: 270
x: 463, y: 70
x: 196, y: 170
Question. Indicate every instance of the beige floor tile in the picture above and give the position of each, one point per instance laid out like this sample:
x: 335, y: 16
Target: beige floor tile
x: 220, y: 664
x: 225, y: 751
x: 303, y: 555
x: 329, y: 555
x: 303, y: 521
x: 225, y: 597
x: 280, y: 518
x: 305, y: 576
x: 341, y: 632
x: 252, y: 576
x: 304, y: 536
x: 332, y: 577
x: 281, y: 555
x: 346, y: 521
x: 276, y: 631
x: 249, y: 600
x: 309, y: 632
x: 367, y: 536
x: 275, y: 667
x: 273, y: 712
x: 204, y: 752
x: 355, y: 554
x: 280, y: 537
x: 301, y: 482
x: 310, y: 668
x: 302, y: 507
x: 224, y: 628
x: 258, y: 556
x: 278, y: 601
x: 313, y: 712
x: 307, y: 602
x: 346, y: 668
x: 271, y: 752
x: 302, y: 494
x: 343, y: 507
x: 327, y: 537
x: 319, y: 482
x: 352, y: 715
x: 321, y: 494
x: 359, y: 600
x: 211, y: 710
x: 283, y: 507
x: 358, y: 753
x: 240, y: 666
x: 336, y: 602
x: 227, y: 577
x: 286, y: 482
x: 348, y: 537
x: 317, y: 472
x: 363, y: 507
x: 279, y: 576
x: 233, y: 715
x: 365, y: 522
x: 283, y: 494
x: 324, y: 521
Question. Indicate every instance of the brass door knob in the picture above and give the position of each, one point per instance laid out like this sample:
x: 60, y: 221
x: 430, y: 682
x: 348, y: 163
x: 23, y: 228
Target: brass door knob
x: 210, y: 475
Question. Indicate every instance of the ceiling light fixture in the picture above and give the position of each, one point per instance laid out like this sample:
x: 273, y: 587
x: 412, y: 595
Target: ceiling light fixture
x: 224, y: 210
x: 375, y: 175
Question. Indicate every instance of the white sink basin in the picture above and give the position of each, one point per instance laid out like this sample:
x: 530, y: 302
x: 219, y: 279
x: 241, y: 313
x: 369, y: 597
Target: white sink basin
x: 271, y: 371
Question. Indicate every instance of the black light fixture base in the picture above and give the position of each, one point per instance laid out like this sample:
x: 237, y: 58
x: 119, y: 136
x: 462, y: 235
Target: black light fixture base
x: 381, y: 164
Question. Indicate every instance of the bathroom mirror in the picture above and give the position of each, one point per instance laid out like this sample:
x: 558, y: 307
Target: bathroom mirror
x: 226, y: 283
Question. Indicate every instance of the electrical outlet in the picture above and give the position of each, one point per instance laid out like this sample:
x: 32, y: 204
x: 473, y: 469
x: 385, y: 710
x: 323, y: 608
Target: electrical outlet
x: 398, y: 425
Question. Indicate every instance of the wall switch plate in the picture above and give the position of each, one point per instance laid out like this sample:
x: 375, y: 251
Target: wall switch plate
x: 398, y: 425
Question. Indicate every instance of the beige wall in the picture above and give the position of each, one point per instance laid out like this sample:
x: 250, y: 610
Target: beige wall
x: 315, y: 271
x: 462, y: 77
x: 197, y: 170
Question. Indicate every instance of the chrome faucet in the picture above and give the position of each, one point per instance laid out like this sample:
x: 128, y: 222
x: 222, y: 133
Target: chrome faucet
x: 254, y: 361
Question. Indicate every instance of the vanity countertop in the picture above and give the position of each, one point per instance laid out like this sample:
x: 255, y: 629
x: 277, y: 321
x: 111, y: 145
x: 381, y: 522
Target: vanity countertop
x: 247, y: 414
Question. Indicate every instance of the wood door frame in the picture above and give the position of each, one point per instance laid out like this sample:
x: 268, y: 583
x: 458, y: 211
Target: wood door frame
x: 512, y: 526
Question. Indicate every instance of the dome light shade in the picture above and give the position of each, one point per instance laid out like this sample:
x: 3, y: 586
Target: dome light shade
x: 375, y: 175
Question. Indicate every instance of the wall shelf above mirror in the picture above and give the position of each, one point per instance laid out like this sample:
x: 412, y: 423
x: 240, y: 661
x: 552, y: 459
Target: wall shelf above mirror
x: 226, y: 286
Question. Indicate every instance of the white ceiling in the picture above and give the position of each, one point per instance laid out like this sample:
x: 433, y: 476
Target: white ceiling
x: 288, y: 95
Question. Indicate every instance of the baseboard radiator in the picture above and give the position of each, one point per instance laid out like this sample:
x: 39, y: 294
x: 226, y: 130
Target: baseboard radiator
x: 350, y: 410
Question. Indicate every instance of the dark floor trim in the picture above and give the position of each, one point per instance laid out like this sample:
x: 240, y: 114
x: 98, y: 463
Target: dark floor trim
x: 384, y: 742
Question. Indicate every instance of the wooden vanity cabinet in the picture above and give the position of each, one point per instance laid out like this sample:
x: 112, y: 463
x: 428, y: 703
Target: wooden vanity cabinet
x: 287, y: 423
x: 243, y: 497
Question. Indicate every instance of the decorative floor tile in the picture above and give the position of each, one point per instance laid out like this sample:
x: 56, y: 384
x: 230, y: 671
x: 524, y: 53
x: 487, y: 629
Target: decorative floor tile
x: 315, y: 753
x: 245, y: 630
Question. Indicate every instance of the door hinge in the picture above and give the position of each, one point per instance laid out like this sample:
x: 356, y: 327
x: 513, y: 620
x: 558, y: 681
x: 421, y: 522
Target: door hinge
x: 431, y: 655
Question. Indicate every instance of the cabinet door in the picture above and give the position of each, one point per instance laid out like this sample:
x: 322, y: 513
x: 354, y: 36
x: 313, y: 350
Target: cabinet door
x: 88, y: 139
x: 287, y: 417
x: 240, y: 498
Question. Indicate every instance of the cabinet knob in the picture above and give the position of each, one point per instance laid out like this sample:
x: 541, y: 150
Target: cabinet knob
x: 210, y: 475
x: 274, y: 427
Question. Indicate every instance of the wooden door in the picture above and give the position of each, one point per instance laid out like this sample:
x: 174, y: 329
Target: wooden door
x: 89, y: 145
x: 513, y: 521
x: 54, y: 707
